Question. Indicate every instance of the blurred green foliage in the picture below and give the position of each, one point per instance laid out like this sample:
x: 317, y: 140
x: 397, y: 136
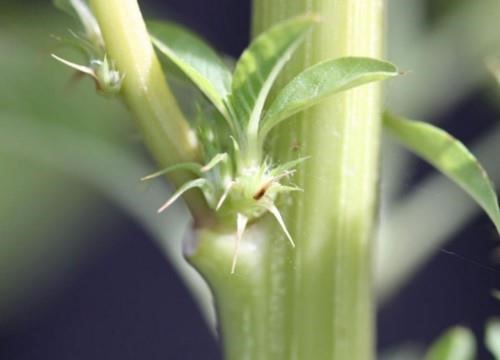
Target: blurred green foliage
x: 43, y: 204
x: 457, y: 343
x: 65, y: 152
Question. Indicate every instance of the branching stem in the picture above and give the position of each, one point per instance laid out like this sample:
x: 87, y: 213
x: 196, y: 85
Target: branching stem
x: 164, y: 128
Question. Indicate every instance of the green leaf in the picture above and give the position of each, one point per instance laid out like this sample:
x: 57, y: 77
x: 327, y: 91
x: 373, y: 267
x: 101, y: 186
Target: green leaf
x: 457, y: 343
x: 322, y: 80
x: 195, y: 58
x: 449, y: 156
x: 492, y: 338
x: 260, y: 64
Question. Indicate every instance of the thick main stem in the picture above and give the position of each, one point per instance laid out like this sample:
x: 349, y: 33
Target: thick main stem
x: 163, y: 126
x: 329, y: 285
x: 314, y: 301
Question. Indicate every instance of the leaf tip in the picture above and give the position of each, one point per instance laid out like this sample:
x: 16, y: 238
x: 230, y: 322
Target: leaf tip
x: 165, y: 206
x: 241, y: 224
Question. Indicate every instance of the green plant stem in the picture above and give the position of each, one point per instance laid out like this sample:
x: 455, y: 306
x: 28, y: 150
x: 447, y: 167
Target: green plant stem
x: 331, y: 280
x: 314, y: 301
x: 164, y: 128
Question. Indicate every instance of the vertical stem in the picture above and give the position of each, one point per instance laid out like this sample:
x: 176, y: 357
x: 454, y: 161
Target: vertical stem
x: 314, y: 301
x: 330, y: 282
x: 164, y: 128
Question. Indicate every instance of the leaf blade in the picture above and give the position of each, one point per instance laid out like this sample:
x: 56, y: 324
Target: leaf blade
x: 260, y: 64
x: 492, y: 338
x: 195, y: 59
x: 450, y: 157
x: 322, y: 80
x: 457, y: 343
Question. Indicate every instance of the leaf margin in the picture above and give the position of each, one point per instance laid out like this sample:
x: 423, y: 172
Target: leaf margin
x: 444, y: 348
x: 216, y: 88
x: 296, y: 29
x: 400, y: 127
x: 288, y: 103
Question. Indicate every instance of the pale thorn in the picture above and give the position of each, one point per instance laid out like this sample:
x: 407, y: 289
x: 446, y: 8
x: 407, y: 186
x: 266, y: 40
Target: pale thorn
x: 277, y: 178
x: 168, y: 203
x: 224, y: 196
x: 80, y: 68
x: 214, y: 162
x: 188, y: 186
x: 151, y: 176
x: 286, y: 173
x: 241, y: 224
x: 277, y: 215
x: 183, y: 166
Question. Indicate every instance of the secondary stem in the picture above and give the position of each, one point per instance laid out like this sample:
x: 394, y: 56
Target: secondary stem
x: 164, y: 128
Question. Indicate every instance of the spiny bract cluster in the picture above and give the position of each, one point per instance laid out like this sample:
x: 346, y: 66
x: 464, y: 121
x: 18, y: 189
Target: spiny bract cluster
x: 238, y: 181
x: 90, y: 43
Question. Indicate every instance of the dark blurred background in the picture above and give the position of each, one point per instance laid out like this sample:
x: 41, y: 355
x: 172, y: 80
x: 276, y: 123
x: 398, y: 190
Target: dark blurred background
x: 122, y: 299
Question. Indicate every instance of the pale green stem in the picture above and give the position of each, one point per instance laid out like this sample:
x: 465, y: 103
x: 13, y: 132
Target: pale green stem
x: 164, y: 128
x: 314, y: 301
x: 331, y: 281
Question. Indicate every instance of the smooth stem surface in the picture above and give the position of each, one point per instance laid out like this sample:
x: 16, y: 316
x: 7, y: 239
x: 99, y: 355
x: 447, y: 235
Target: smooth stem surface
x: 314, y: 301
x: 326, y: 288
x: 241, y: 298
x: 164, y: 128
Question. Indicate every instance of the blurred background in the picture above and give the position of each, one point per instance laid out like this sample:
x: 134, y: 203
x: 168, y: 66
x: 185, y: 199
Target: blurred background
x: 88, y: 270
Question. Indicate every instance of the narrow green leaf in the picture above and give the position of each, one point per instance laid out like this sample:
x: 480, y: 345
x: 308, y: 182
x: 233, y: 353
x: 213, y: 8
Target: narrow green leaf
x: 449, y: 156
x: 492, y: 338
x: 322, y: 80
x: 260, y: 64
x: 457, y: 343
x: 195, y: 58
